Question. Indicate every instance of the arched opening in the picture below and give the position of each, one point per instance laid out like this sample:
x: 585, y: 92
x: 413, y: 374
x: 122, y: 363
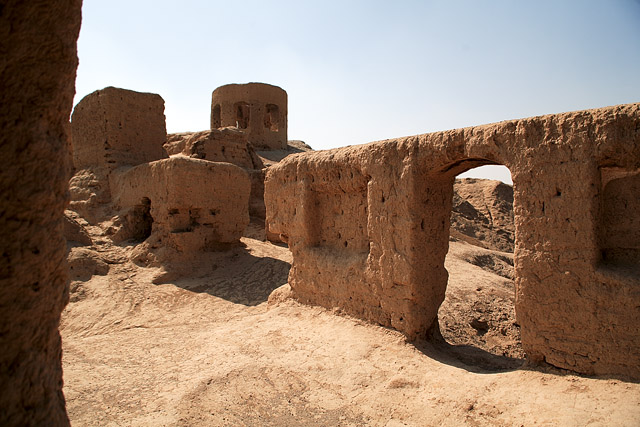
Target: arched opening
x: 477, y: 318
x: 216, y: 121
x: 243, y: 113
x: 271, y: 117
x: 619, y: 218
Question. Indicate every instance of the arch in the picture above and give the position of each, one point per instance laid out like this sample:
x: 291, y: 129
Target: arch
x: 272, y: 117
x: 216, y: 121
x: 242, y: 114
x: 477, y: 320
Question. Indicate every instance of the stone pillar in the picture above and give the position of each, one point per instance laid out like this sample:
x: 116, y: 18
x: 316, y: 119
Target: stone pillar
x: 37, y: 80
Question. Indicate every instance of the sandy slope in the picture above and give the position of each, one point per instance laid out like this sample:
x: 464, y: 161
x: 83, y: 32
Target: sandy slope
x: 211, y: 351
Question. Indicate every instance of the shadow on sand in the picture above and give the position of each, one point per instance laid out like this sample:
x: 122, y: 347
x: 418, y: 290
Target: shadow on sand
x: 467, y: 357
x: 233, y: 274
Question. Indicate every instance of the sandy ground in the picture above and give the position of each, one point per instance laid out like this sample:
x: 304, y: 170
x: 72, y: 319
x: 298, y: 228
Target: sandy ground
x: 211, y: 351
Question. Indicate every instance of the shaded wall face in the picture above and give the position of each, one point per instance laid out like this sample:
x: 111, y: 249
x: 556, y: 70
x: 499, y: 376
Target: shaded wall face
x: 353, y: 243
x: 339, y: 213
x: 619, y: 224
x: 37, y: 75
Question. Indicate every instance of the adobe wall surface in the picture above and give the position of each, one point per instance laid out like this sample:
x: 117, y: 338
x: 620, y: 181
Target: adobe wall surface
x: 368, y: 227
x: 259, y: 109
x: 37, y: 75
x: 193, y: 204
x: 113, y: 127
x: 225, y: 145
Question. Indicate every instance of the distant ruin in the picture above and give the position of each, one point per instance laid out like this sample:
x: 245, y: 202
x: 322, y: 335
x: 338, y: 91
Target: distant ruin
x: 124, y: 159
x: 189, y: 192
x: 257, y: 108
x: 368, y: 227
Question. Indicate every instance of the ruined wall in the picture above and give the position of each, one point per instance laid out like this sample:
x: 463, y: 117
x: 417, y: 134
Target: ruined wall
x: 114, y: 127
x: 228, y: 145
x: 37, y: 75
x: 259, y: 109
x: 188, y: 204
x: 191, y: 204
x: 368, y: 227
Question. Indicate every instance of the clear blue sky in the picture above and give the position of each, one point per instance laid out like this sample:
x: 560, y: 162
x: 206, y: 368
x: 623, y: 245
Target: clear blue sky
x: 358, y: 71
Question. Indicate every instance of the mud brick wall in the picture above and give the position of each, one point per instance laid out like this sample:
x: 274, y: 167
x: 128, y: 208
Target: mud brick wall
x: 368, y: 227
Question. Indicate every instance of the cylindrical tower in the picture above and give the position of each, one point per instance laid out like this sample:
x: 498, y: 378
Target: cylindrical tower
x: 257, y: 108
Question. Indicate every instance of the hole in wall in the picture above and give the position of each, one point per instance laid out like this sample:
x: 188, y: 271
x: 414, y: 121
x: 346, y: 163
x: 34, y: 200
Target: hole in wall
x: 243, y: 114
x: 477, y: 318
x: 271, y: 117
x: 619, y: 218
x: 216, y: 121
x: 140, y: 221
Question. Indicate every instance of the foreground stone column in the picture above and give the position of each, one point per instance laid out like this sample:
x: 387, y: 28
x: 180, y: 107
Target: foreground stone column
x: 37, y: 81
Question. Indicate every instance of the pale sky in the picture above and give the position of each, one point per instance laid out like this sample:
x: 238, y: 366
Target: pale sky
x: 358, y: 71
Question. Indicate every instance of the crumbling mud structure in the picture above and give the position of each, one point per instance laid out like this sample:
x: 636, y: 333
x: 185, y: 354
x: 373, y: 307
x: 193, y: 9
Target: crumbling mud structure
x: 259, y: 109
x: 228, y: 145
x: 182, y: 203
x: 37, y: 69
x: 248, y: 128
x: 368, y: 227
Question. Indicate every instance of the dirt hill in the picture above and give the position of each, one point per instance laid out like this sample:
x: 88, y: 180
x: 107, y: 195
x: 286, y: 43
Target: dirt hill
x: 483, y: 213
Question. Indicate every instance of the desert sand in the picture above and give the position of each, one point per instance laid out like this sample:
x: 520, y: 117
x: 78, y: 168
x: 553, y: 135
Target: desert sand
x: 213, y: 349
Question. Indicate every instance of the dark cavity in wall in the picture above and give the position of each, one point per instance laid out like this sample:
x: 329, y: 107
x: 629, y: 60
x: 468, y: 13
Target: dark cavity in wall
x: 271, y: 117
x: 243, y: 114
x: 216, y: 122
x: 619, y: 234
x: 141, y: 220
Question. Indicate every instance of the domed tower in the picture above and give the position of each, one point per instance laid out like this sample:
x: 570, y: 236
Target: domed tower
x: 257, y: 108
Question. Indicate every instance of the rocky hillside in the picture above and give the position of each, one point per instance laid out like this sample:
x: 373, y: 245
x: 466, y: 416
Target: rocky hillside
x: 482, y: 213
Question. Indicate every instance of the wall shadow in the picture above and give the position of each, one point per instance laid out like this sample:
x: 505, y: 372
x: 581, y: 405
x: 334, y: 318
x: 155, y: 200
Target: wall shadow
x: 235, y: 275
x: 469, y: 358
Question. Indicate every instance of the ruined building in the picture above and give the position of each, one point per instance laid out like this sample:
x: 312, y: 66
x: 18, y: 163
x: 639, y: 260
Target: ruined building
x: 368, y: 227
x: 257, y: 108
x: 180, y: 202
x: 187, y: 192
